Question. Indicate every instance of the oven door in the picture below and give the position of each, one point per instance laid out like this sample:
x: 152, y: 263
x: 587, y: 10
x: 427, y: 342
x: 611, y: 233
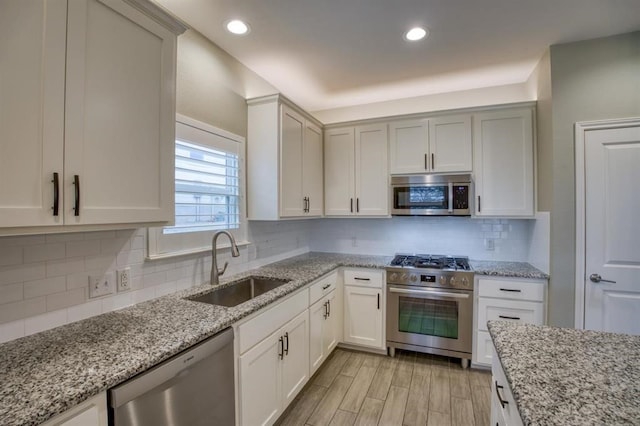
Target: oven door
x: 430, y: 317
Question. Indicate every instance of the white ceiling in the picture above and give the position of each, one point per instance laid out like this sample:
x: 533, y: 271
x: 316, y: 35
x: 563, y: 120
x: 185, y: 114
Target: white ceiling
x: 332, y: 53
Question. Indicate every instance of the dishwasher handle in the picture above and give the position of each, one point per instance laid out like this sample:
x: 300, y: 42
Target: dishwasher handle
x: 170, y: 370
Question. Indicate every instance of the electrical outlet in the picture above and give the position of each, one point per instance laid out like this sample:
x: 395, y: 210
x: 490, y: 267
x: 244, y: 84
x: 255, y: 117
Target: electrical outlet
x: 101, y: 285
x: 489, y: 244
x: 124, y: 279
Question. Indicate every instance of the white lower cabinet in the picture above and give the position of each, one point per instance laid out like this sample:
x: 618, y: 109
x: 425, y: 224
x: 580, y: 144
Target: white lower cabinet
x: 323, y: 332
x: 505, y: 299
x: 363, y: 308
x: 92, y: 412
x: 503, y: 406
x: 274, y: 371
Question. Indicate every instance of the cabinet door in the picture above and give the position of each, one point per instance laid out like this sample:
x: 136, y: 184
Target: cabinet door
x: 330, y: 330
x: 92, y: 412
x: 409, y: 146
x: 312, y: 169
x: 317, y: 319
x: 32, y: 49
x: 295, y: 366
x: 450, y: 144
x: 339, y: 174
x: 260, y: 384
x: 291, y: 137
x: 372, y: 175
x: 503, y: 163
x: 363, y: 316
x: 119, y: 115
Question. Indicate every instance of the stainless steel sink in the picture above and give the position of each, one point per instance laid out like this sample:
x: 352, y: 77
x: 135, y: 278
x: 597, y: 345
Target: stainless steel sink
x: 240, y: 292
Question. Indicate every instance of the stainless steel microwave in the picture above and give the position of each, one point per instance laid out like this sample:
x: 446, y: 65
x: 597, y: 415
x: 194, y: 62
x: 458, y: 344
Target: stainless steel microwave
x: 431, y: 195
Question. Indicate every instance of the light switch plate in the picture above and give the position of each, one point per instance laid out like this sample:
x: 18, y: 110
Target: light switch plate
x: 101, y: 285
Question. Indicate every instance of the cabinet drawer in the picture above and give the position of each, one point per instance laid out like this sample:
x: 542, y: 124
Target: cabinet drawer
x: 511, y: 289
x: 259, y: 327
x: 483, y: 352
x: 322, y: 287
x: 509, y: 310
x: 363, y: 277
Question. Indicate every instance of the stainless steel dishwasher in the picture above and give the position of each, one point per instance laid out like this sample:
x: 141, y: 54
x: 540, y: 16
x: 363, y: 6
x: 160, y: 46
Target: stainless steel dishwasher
x: 195, y: 387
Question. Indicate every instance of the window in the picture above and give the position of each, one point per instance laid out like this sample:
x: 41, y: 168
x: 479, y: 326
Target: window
x: 209, y: 189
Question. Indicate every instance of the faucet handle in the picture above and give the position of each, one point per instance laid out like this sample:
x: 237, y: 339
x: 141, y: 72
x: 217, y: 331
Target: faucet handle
x: 224, y: 268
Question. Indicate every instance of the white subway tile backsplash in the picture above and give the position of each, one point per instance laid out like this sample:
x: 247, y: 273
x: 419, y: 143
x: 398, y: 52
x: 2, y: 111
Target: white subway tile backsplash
x: 45, y: 286
x: 84, y: 310
x: 20, y: 273
x: 45, y: 321
x: 83, y: 248
x: 153, y: 279
x: 10, y: 256
x: 100, y: 262
x: 44, y: 252
x: 11, y: 330
x: 119, y: 301
x: 126, y: 258
x: 63, y: 267
x: 11, y: 293
x: 66, y: 299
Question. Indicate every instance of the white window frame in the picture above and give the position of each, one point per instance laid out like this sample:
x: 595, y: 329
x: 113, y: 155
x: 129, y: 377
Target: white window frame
x: 160, y: 245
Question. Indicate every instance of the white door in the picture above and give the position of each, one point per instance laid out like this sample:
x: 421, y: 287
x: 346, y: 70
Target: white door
x: 291, y: 198
x: 612, y: 231
x: 119, y: 115
x: 450, y: 144
x: 312, y: 170
x: 32, y: 51
x: 339, y: 175
x: 260, y: 382
x: 409, y: 146
x: 317, y: 319
x: 295, y: 366
x: 372, y: 176
x: 330, y: 330
x: 363, y: 316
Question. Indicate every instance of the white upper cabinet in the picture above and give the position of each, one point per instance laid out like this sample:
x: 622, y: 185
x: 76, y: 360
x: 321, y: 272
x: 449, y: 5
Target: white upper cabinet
x: 503, y: 165
x: 284, y: 161
x: 434, y: 145
x: 450, y: 145
x: 90, y: 98
x: 356, y: 171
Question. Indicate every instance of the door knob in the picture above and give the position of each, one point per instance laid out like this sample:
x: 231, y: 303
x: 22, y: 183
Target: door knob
x: 596, y: 278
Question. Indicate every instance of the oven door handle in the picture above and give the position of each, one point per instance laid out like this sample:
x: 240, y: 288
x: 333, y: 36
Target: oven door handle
x: 429, y: 293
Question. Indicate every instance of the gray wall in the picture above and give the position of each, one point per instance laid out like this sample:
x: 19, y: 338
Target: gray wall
x: 212, y: 85
x: 590, y: 80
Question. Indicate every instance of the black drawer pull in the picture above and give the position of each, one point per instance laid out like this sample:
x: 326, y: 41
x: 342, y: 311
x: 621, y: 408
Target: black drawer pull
x: 511, y: 290
x: 76, y: 183
x: 56, y: 194
x: 361, y: 279
x: 326, y: 286
x: 507, y: 317
x: 502, y: 401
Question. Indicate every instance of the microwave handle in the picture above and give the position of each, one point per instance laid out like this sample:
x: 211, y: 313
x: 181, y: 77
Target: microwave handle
x: 450, y: 197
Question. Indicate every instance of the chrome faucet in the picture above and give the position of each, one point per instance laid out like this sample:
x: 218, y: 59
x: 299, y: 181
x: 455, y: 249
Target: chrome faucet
x: 215, y: 273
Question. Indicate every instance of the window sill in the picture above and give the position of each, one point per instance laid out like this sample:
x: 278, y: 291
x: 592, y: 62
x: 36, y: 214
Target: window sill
x: 192, y: 251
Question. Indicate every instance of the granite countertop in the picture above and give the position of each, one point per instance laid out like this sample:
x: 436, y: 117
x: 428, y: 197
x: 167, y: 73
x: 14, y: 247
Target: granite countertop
x: 562, y: 376
x: 507, y: 269
x: 47, y: 373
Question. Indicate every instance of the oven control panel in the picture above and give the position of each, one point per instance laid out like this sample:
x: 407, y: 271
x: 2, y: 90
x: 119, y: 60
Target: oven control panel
x: 441, y: 279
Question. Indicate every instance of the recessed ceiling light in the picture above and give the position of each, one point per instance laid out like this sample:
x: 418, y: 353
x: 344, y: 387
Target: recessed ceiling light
x: 415, y: 34
x: 237, y: 26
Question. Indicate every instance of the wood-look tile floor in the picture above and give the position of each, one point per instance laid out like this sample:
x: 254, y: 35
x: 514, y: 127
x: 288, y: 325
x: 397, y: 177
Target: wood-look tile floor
x: 356, y: 388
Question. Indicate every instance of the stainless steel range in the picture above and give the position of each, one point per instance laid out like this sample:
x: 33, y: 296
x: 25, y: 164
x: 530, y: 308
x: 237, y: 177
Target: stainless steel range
x: 430, y: 305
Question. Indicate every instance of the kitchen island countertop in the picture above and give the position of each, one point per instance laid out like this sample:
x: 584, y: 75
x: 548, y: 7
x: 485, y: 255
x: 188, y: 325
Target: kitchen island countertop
x: 562, y: 376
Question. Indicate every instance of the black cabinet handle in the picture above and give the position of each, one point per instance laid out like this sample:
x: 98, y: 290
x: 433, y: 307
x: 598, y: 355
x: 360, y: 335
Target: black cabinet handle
x: 329, y: 308
x: 357, y: 205
x: 56, y: 194
x: 479, y: 204
x: 425, y: 162
x: 326, y: 310
x: 507, y: 317
x: 433, y: 161
x: 76, y: 183
x: 351, y: 205
x: 361, y: 279
x: 286, y: 339
x: 281, y: 348
x: 511, y: 290
x: 378, y: 301
x: 308, y: 204
x: 502, y: 401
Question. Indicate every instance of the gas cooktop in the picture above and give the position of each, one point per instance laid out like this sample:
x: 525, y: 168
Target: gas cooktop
x: 432, y: 261
x: 430, y: 270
